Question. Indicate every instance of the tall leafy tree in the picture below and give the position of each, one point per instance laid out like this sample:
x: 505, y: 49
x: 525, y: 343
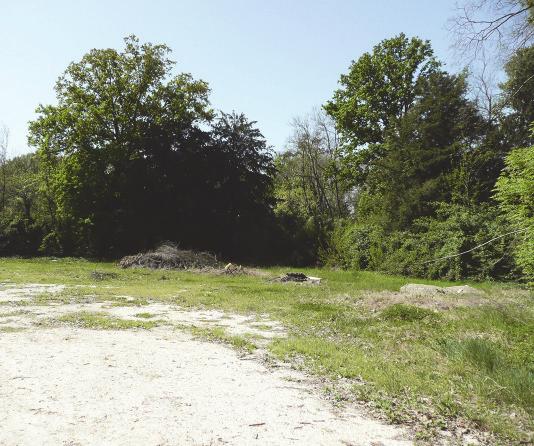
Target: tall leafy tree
x: 423, y: 155
x: 120, y: 118
x: 379, y: 89
x: 237, y: 187
x: 130, y: 159
x: 518, y: 98
x: 310, y: 191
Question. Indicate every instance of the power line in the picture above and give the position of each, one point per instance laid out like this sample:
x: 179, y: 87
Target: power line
x: 476, y: 247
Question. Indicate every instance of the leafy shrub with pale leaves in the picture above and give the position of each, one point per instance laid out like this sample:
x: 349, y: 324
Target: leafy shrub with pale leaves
x: 515, y: 193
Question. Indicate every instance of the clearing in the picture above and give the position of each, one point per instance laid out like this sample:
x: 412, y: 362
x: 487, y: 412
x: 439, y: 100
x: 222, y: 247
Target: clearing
x: 92, y: 354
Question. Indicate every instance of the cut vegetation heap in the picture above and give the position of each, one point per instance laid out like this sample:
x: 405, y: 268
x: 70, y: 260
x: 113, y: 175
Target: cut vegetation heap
x: 168, y: 256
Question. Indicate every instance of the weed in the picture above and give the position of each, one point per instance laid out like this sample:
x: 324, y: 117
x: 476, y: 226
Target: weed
x: 407, y: 313
x: 10, y: 329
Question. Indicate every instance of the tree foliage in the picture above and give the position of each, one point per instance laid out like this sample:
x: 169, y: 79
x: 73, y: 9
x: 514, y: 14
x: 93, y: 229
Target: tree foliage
x: 406, y: 170
x: 309, y: 187
x: 518, y: 98
x: 424, y: 164
x: 515, y: 193
x: 130, y: 160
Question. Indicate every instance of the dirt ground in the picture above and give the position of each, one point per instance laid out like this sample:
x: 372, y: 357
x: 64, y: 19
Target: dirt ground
x: 64, y: 385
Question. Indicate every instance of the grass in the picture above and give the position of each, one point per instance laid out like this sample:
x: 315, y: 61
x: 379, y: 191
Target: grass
x: 145, y: 315
x: 10, y: 329
x: 218, y: 334
x: 433, y: 368
x: 101, y: 321
x: 12, y: 313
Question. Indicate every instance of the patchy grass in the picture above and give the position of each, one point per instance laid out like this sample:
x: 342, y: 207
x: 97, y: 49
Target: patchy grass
x: 448, y: 362
x: 12, y: 313
x: 408, y: 313
x: 102, y: 321
x: 145, y: 315
x: 10, y: 329
x: 218, y: 334
x: 125, y: 302
x: 260, y: 326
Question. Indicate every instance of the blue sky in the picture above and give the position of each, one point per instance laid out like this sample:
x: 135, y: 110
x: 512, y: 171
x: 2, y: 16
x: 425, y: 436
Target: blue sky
x: 272, y: 60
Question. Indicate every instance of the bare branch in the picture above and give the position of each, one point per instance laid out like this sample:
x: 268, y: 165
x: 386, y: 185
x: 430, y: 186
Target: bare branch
x: 4, y: 143
x: 500, y: 25
x: 485, y: 85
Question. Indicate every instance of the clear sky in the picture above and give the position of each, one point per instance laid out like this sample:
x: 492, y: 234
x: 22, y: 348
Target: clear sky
x: 271, y: 59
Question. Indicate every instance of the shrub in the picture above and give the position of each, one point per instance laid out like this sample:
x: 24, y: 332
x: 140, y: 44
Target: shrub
x: 430, y: 249
x: 353, y: 245
x: 515, y: 193
x: 21, y: 236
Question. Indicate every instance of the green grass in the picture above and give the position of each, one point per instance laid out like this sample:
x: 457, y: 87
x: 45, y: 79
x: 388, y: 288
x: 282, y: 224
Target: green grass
x: 101, y: 321
x: 10, y: 329
x: 145, y: 315
x: 218, y: 334
x: 471, y: 363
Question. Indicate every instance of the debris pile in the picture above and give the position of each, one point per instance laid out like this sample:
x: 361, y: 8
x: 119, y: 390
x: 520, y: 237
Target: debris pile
x: 169, y: 256
x: 100, y: 275
x: 299, y: 278
x: 233, y: 270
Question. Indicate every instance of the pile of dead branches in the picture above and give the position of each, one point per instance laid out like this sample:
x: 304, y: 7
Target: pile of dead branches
x: 169, y: 256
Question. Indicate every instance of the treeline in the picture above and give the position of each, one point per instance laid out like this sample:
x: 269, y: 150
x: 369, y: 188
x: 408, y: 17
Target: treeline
x: 400, y: 168
x: 425, y: 171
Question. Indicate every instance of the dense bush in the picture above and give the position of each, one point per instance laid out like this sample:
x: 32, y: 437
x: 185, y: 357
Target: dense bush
x: 21, y: 237
x: 431, y: 248
x: 353, y: 245
x: 515, y: 192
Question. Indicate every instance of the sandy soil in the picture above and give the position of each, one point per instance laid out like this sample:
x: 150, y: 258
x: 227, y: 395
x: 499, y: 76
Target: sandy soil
x: 13, y: 293
x: 71, y: 386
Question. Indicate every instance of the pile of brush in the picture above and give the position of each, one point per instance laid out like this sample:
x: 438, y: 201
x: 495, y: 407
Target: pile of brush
x: 169, y: 256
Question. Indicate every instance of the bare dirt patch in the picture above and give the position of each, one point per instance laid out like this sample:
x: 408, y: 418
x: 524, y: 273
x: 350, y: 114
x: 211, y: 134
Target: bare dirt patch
x: 72, y: 386
x: 424, y: 296
x: 10, y: 292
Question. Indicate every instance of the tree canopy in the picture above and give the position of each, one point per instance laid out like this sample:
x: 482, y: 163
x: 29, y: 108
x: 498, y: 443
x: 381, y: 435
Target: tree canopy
x: 132, y: 159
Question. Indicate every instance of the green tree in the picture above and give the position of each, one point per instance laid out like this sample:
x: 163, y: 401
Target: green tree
x: 237, y: 179
x: 423, y: 156
x: 518, y: 98
x: 119, y: 118
x: 22, y: 218
x: 128, y: 158
x: 310, y: 191
x: 378, y: 91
